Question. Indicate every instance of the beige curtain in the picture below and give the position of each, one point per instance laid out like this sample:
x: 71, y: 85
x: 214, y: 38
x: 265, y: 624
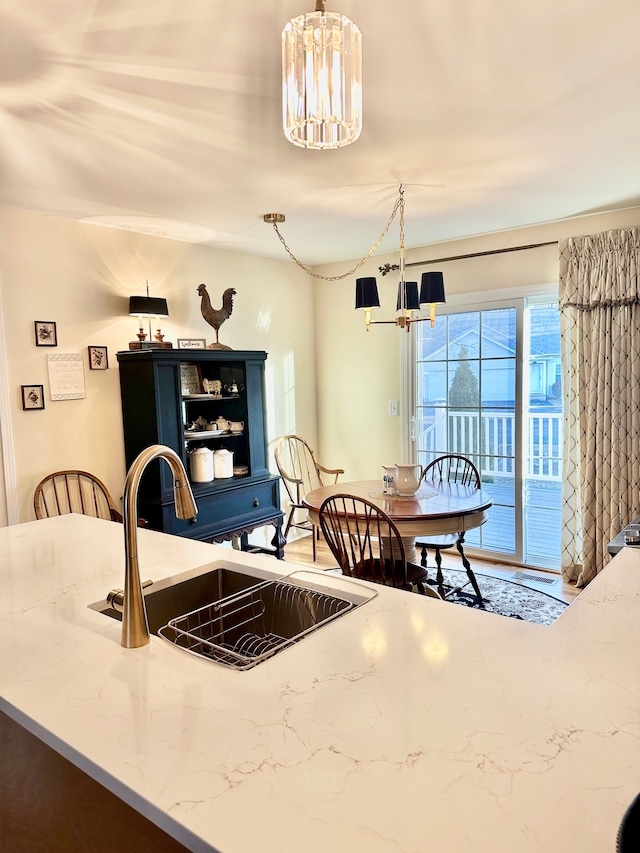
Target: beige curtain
x: 600, y: 331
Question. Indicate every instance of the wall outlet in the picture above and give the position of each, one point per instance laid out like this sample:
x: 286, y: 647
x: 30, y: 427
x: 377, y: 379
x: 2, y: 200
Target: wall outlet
x: 393, y: 408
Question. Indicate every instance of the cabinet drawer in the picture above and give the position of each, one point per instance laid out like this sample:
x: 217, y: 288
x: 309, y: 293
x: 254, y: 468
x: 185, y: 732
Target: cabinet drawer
x: 224, y: 512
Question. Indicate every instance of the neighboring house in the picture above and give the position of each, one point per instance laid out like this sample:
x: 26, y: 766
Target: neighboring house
x: 545, y: 389
x: 498, y: 379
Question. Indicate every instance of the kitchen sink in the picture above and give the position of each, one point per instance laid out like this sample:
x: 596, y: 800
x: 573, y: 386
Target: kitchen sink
x: 239, y: 620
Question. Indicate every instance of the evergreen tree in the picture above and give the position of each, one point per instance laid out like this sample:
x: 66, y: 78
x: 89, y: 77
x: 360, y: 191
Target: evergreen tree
x: 465, y: 391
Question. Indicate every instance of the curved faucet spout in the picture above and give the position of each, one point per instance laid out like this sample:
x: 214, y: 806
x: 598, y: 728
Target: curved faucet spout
x: 135, y: 628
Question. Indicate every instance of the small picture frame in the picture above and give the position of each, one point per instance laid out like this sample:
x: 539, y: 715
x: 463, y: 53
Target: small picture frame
x: 32, y: 397
x: 46, y: 333
x: 98, y: 358
x: 192, y: 343
x: 190, y: 379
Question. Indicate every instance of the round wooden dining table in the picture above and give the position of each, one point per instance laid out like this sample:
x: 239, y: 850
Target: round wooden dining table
x: 436, y: 508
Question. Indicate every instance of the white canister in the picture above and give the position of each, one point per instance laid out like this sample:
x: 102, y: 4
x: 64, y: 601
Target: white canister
x: 223, y: 463
x: 201, y: 465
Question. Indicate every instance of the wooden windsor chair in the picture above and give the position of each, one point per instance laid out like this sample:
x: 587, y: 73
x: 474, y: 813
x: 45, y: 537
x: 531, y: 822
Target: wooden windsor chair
x: 450, y: 468
x: 367, y: 544
x: 74, y: 491
x: 301, y: 473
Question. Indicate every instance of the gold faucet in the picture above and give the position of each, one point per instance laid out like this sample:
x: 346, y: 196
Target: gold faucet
x: 135, y: 627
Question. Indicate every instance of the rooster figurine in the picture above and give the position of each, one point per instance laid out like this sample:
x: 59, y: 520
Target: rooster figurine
x: 216, y: 316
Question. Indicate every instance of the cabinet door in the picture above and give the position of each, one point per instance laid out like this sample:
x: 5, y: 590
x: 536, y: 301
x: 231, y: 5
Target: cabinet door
x: 218, y: 421
x: 257, y: 418
x: 170, y: 432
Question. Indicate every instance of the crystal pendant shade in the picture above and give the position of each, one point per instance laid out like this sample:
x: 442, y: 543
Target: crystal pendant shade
x: 322, y: 80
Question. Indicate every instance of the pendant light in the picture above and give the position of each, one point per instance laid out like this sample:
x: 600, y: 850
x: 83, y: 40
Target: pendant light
x: 321, y: 79
x: 431, y: 290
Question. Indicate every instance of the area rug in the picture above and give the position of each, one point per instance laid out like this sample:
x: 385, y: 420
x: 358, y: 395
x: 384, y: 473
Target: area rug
x: 501, y: 596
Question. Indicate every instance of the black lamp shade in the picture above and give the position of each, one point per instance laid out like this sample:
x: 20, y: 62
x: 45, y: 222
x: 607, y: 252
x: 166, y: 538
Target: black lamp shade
x: 367, y: 293
x: 411, y: 302
x: 432, y: 288
x: 148, y: 306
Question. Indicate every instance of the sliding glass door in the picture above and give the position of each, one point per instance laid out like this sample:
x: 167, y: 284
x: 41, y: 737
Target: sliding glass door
x: 487, y: 386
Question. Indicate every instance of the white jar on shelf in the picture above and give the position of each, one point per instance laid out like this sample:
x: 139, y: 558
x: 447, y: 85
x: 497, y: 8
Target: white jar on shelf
x: 201, y: 465
x: 223, y: 463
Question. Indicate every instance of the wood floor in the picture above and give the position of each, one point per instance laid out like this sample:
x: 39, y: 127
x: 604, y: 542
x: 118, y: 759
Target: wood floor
x: 300, y: 551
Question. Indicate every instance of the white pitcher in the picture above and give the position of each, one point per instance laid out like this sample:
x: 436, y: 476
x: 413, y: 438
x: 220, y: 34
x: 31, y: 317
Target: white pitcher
x: 408, y: 479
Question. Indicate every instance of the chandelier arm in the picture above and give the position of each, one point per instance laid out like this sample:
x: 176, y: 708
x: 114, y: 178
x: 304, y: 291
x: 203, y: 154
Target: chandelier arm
x: 397, y: 206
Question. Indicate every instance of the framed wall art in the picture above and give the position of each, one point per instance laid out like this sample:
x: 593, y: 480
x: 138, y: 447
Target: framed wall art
x: 32, y: 397
x: 190, y: 379
x: 66, y: 376
x: 98, y: 358
x: 46, y: 333
x: 192, y: 343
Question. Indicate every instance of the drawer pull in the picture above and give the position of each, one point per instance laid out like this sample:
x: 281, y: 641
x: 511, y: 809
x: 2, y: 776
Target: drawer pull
x: 256, y: 502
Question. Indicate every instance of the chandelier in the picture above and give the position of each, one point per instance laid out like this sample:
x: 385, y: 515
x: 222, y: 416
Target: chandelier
x: 321, y: 79
x: 431, y: 289
x: 409, y: 298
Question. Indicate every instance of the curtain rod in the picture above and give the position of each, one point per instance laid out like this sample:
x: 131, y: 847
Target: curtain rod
x: 389, y: 267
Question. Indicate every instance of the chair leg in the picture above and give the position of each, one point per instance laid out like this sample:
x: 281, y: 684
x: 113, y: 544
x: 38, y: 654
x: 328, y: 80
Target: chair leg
x: 469, y: 571
x: 289, y: 522
x: 439, y: 575
x: 315, y: 535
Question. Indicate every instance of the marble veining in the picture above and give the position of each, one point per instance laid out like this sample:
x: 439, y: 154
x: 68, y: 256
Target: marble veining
x: 406, y: 725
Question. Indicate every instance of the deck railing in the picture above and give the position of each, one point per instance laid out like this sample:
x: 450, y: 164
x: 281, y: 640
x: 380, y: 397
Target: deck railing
x: 492, y: 438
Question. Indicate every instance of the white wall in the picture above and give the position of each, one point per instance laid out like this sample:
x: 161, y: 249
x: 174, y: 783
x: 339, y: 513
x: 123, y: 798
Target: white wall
x: 81, y: 277
x: 359, y: 372
x: 327, y: 379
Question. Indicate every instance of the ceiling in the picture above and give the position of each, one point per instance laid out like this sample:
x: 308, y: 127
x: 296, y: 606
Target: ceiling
x: 164, y: 116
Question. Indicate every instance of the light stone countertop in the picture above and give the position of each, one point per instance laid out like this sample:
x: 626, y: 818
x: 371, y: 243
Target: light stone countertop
x: 408, y: 725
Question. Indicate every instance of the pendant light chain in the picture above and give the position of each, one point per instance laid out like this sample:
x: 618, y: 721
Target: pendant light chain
x: 398, y: 206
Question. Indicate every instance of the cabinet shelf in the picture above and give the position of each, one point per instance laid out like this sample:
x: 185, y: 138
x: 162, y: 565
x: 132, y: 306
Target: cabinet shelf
x: 207, y: 434
x: 209, y: 397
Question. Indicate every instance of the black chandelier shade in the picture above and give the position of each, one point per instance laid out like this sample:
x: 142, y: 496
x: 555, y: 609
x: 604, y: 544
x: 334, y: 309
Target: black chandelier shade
x: 432, y: 288
x: 411, y: 302
x: 431, y: 293
x: 148, y: 306
x: 367, y: 293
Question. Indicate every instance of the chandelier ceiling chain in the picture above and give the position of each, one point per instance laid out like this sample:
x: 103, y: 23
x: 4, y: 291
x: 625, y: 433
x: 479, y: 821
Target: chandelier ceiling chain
x: 273, y: 218
x: 410, y: 299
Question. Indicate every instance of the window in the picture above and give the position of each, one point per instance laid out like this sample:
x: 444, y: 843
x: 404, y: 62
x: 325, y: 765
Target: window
x: 487, y: 386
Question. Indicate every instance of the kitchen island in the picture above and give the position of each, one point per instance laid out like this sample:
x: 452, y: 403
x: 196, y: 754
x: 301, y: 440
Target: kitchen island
x: 406, y: 725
